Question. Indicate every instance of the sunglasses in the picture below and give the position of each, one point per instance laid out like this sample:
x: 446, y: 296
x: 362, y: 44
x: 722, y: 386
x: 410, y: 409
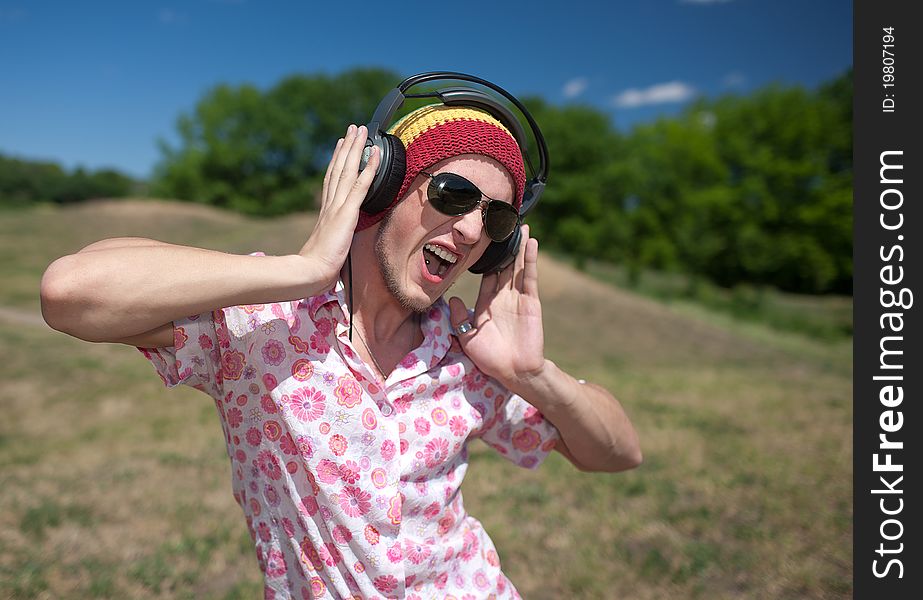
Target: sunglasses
x: 454, y: 195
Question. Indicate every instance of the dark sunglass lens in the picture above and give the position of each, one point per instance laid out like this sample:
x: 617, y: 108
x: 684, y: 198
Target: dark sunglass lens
x: 452, y: 194
x: 501, y: 220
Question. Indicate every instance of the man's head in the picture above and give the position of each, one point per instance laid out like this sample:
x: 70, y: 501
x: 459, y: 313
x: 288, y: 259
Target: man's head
x: 436, y: 132
x: 421, y: 251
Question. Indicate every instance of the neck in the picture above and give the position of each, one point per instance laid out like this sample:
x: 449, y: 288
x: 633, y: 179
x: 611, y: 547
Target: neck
x: 382, y: 320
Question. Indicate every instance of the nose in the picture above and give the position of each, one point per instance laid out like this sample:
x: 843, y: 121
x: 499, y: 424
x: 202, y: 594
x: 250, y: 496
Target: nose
x: 469, y: 228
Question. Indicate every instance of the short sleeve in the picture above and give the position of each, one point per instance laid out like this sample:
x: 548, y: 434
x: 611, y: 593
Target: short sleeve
x: 519, y: 432
x: 195, y: 358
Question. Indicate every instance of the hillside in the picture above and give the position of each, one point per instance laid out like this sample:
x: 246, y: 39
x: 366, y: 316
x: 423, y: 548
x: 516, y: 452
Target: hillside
x: 115, y: 487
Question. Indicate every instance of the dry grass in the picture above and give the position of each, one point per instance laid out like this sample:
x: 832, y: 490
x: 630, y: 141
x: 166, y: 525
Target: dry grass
x: 114, y: 487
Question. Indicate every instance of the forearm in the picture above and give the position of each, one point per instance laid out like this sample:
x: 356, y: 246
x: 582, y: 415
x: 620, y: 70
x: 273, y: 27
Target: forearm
x: 593, y: 425
x: 115, y: 289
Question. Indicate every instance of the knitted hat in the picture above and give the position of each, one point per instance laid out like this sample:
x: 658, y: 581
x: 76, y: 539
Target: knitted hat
x: 436, y: 132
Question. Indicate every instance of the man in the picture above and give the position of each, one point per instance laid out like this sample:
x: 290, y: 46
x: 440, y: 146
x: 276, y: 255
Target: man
x: 348, y: 451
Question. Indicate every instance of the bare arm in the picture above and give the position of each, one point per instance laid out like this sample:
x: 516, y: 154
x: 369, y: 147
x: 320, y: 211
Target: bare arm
x: 130, y: 290
x: 596, y: 433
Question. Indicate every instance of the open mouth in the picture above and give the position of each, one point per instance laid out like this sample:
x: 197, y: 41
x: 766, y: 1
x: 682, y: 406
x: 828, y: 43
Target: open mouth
x: 438, y: 261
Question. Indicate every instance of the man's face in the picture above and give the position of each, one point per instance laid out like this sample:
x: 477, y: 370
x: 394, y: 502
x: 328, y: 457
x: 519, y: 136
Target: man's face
x: 414, y: 234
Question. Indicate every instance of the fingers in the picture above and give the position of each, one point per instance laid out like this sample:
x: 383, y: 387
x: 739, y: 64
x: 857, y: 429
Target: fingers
x: 487, y: 290
x: 462, y: 327
x: 530, y: 272
x: 343, y: 169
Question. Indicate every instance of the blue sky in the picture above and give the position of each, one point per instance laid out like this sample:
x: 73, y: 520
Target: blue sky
x: 95, y: 83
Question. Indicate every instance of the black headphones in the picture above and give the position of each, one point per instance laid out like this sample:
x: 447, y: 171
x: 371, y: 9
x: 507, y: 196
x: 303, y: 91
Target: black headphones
x: 393, y: 163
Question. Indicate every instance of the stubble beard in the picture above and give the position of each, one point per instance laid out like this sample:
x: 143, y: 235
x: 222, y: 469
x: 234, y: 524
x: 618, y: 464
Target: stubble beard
x: 390, y: 271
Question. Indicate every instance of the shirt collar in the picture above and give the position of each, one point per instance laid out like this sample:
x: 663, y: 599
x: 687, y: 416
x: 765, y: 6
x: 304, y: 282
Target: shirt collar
x: 434, y: 323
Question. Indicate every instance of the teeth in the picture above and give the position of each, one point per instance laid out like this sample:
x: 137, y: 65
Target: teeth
x: 441, y: 253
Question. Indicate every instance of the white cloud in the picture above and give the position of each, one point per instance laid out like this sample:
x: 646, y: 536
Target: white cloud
x: 662, y: 93
x: 575, y: 87
x: 734, y: 79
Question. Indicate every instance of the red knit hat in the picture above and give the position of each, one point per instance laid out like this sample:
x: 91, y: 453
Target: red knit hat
x: 436, y: 132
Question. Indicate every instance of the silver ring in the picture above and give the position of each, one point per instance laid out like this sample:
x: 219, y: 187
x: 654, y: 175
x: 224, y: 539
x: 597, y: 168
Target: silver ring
x: 464, y: 327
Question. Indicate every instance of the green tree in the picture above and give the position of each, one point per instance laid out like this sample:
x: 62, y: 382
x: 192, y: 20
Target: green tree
x: 265, y: 152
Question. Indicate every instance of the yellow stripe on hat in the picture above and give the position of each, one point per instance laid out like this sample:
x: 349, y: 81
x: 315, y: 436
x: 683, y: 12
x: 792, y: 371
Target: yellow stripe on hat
x: 413, y: 124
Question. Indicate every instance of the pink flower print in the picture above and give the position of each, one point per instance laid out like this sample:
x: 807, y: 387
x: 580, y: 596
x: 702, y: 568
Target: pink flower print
x: 440, y: 416
x: 349, y: 471
x: 385, y: 583
x: 205, y: 342
x: 431, y: 511
x: 348, y: 391
x: 387, y: 450
x: 474, y: 380
x: 328, y: 471
x: 275, y: 564
x: 179, y: 338
x: 324, y: 327
x: 330, y: 554
x: 409, y: 360
x: 263, y: 531
x: 270, y: 381
x: 302, y: 369
x: 354, y: 501
x: 318, y: 589
x: 287, y: 444
x: 492, y: 558
x: 341, y: 534
x: 273, y: 352
x: 272, y: 430
x: 436, y: 452
x: 308, y: 506
x: 371, y: 535
x: 394, y: 509
x: 271, y: 495
x: 458, y: 425
x: 252, y: 308
x: 416, y: 552
x: 532, y: 416
x: 254, y: 436
x: 402, y: 404
x: 526, y: 439
x: 305, y: 446
x: 528, y: 461
x: 268, y: 404
x: 235, y: 417
x: 394, y: 553
x: 309, y: 554
x: 421, y: 425
x: 232, y: 364
x: 441, y: 580
x: 306, y: 403
x: 469, y: 546
x: 440, y: 391
x: 319, y: 343
x: 480, y: 580
x: 338, y: 444
x: 446, y: 523
x: 288, y: 527
x: 269, y: 464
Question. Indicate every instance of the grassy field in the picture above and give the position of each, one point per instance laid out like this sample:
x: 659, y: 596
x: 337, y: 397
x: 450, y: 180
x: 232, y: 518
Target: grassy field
x: 113, y: 487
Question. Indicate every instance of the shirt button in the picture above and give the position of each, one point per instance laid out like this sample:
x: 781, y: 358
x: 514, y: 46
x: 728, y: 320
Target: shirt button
x: 386, y: 410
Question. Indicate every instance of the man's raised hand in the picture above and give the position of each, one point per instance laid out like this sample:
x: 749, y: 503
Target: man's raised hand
x: 343, y: 192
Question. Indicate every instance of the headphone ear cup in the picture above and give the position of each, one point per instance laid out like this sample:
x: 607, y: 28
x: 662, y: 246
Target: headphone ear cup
x: 390, y: 176
x: 498, y: 255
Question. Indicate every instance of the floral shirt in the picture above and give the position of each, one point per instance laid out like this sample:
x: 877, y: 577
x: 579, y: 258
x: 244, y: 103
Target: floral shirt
x: 351, y: 486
